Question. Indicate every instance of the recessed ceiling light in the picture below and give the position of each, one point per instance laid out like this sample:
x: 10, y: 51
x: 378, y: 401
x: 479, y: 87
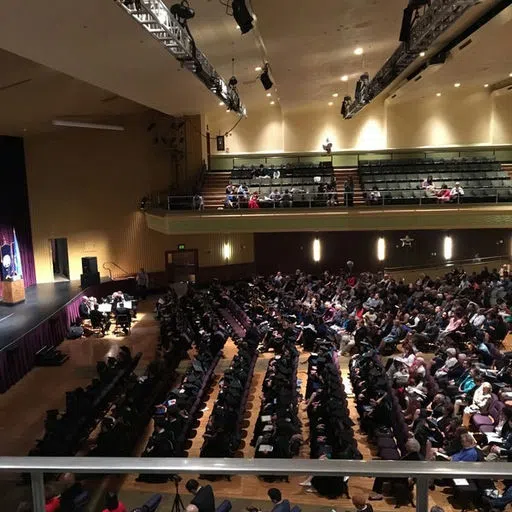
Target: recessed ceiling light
x: 238, y: 27
x: 227, y: 110
x: 221, y: 104
x: 259, y: 68
x: 456, y: 85
x: 438, y: 94
x: 486, y: 85
x: 272, y: 102
x: 335, y: 95
x: 358, y: 51
x: 344, y: 78
x: 422, y: 54
x: 331, y: 103
x: 510, y: 74
x: 269, y: 94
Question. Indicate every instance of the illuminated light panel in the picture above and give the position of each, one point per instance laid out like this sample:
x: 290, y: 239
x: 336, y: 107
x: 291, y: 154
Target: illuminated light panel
x: 226, y: 251
x: 317, y: 250
x: 344, y: 78
x: 381, y: 249
x: 456, y: 85
x: 358, y: 51
x: 448, y: 248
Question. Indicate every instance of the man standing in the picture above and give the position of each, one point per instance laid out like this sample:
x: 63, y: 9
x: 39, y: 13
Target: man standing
x: 142, y: 282
x: 203, y: 499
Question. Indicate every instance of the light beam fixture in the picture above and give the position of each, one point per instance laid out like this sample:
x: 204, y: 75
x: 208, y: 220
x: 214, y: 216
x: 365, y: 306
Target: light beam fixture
x: 242, y: 16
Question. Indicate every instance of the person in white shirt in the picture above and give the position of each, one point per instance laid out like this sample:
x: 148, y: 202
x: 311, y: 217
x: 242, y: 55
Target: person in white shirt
x: 481, y: 400
x: 456, y: 192
x: 478, y: 318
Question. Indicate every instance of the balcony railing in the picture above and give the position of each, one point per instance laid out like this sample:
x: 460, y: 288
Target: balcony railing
x: 332, y: 200
x: 423, y: 472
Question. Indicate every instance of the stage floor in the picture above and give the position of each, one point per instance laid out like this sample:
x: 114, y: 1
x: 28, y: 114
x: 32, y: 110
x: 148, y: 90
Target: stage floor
x: 42, y: 301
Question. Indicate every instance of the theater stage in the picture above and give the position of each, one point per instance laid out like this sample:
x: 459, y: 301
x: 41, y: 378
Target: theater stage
x: 41, y: 302
x: 42, y: 320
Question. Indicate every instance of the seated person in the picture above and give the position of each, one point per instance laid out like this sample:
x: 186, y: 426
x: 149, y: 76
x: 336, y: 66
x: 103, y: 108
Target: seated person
x: 99, y: 320
x: 276, y: 498
x: 468, y: 453
x: 204, y: 498
x: 443, y: 196
x: 253, y: 201
x: 112, y: 503
x: 84, y: 309
x: 457, y: 192
x: 481, y: 401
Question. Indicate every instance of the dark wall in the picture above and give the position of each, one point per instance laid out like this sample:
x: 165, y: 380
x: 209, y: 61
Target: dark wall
x: 289, y: 251
x: 14, y: 207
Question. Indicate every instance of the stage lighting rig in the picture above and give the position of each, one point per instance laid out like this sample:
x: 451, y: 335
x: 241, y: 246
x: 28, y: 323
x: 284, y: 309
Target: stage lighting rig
x: 411, y: 14
x: 362, y: 93
x: 169, y: 27
x: 345, y: 107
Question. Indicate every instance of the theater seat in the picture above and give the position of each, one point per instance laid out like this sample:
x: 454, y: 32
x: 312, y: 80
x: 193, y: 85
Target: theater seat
x: 225, y: 506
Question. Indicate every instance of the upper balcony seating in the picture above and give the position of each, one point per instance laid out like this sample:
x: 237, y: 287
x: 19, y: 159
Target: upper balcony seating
x: 399, y: 181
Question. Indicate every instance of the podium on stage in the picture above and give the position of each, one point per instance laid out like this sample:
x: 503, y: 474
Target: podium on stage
x: 13, y: 292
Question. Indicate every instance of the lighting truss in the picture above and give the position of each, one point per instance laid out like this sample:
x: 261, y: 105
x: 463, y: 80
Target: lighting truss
x: 156, y: 18
x: 434, y: 21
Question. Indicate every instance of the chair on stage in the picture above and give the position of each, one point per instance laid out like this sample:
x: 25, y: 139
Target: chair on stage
x: 123, y: 323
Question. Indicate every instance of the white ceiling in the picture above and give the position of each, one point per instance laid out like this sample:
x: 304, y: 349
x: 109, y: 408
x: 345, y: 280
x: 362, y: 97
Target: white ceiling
x: 309, y: 45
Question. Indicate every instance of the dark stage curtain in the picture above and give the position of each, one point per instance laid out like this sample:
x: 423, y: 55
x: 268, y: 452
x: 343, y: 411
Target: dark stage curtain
x: 18, y: 358
x: 14, y: 207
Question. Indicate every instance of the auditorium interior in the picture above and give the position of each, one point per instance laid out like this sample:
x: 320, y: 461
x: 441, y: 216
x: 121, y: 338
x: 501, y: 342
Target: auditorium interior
x: 255, y: 255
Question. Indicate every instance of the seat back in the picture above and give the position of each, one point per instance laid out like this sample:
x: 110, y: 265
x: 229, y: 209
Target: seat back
x: 225, y: 506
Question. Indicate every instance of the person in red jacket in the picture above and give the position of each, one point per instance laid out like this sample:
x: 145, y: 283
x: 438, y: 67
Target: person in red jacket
x: 112, y: 503
x: 253, y: 201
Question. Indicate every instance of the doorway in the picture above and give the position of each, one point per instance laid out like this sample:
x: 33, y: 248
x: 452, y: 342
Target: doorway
x: 181, y: 266
x: 60, y: 261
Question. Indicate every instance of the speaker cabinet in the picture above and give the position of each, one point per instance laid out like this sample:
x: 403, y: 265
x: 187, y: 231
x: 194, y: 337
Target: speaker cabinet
x: 87, y: 280
x: 90, y: 265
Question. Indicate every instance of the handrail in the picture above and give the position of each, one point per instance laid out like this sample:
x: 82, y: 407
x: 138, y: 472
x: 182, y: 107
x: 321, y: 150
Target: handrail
x: 421, y: 471
x: 452, y: 263
x: 124, y: 272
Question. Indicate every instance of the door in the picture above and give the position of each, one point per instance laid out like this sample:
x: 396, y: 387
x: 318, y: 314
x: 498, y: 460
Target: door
x: 60, y: 261
x: 181, y: 266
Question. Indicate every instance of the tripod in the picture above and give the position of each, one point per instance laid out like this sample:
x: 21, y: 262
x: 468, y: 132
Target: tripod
x: 177, y: 505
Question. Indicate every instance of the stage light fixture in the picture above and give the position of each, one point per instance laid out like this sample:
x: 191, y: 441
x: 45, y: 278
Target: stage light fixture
x: 242, y: 16
x: 233, y: 82
x: 265, y: 79
x: 182, y: 11
x: 347, y: 101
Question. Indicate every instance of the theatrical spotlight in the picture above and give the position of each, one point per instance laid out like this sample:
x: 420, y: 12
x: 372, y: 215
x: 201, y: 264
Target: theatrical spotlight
x: 182, y: 11
x: 242, y: 16
x: 233, y: 82
x: 265, y: 79
x: 361, y: 94
x: 347, y: 101
x: 409, y: 18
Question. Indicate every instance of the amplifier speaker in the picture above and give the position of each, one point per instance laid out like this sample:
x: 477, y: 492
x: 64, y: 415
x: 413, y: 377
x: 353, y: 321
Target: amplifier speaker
x: 90, y: 265
x: 87, y: 280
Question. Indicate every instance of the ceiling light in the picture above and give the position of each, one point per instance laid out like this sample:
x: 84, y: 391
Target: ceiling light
x: 228, y: 110
x: 221, y: 104
x: 456, y: 85
x: 269, y: 94
x: 438, y: 94
x: 272, y: 102
x: 422, y: 54
x: 344, y: 78
x: 331, y: 103
x: 510, y: 74
x: 358, y: 51
x: 259, y: 68
x: 486, y: 85
x: 335, y: 95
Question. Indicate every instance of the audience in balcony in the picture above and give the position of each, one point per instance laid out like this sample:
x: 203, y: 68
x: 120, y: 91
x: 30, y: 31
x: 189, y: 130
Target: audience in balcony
x: 443, y: 195
x: 254, y: 201
x: 457, y: 192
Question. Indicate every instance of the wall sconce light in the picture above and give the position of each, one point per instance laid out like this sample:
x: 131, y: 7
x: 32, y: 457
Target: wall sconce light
x: 317, y: 250
x: 226, y: 251
x: 448, y: 248
x: 381, y: 249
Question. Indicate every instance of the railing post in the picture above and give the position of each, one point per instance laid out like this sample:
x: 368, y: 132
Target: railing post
x: 422, y: 494
x: 38, y: 497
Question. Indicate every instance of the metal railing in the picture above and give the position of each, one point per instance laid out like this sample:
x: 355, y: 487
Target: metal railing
x: 121, y: 272
x: 423, y: 472
x: 305, y: 199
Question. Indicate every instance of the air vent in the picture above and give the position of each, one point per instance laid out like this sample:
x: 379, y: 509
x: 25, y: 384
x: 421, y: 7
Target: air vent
x: 466, y: 44
x: 15, y: 84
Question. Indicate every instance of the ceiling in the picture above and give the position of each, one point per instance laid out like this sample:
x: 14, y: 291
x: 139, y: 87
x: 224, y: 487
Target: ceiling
x: 309, y: 47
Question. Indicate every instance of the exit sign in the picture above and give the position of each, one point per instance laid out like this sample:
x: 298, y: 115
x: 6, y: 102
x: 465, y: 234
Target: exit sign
x: 181, y: 247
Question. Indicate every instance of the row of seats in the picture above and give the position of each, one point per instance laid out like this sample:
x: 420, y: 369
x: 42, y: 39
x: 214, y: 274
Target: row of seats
x: 286, y: 181
x: 284, y: 172
x: 493, y: 178
x: 412, y: 162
